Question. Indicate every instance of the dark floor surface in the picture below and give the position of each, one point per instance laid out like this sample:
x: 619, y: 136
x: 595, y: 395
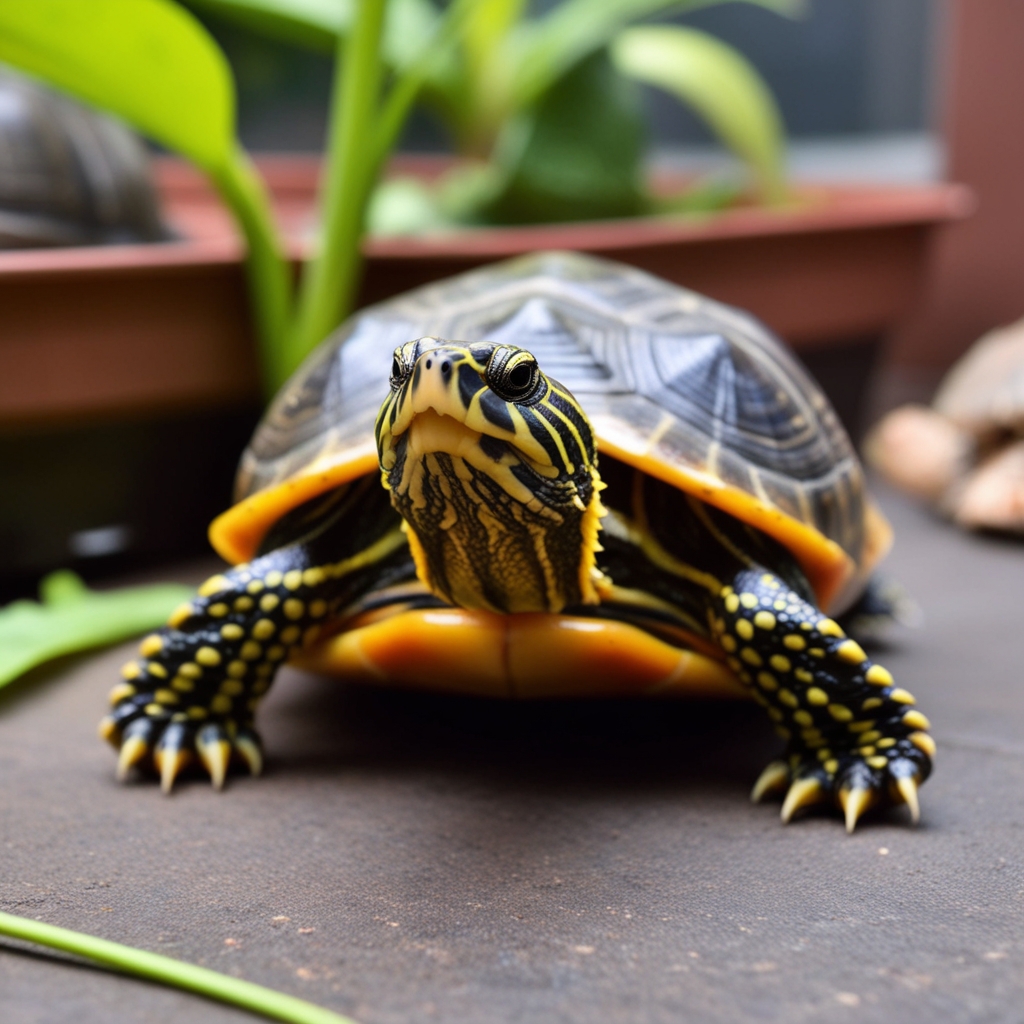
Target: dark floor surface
x: 415, y: 858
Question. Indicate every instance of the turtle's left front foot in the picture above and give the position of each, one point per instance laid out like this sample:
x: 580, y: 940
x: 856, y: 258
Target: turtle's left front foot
x: 876, y: 774
x: 854, y: 738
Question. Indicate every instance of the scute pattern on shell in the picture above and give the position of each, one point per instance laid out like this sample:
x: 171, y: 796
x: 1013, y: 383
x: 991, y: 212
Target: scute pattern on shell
x: 658, y: 369
x: 69, y: 175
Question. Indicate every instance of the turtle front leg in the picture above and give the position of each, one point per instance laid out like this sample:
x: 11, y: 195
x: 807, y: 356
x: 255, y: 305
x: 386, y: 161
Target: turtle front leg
x: 854, y: 738
x: 194, y: 689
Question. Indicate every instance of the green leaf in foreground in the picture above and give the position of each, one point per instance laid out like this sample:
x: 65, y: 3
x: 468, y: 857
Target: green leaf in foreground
x: 168, y: 971
x: 719, y: 83
x: 72, y: 618
x: 148, y: 61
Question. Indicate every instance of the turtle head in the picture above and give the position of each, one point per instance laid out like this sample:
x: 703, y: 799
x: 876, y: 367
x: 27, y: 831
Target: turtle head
x: 493, y: 467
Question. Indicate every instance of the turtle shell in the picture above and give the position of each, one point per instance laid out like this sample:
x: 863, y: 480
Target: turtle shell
x: 69, y: 176
x: 694, y: 392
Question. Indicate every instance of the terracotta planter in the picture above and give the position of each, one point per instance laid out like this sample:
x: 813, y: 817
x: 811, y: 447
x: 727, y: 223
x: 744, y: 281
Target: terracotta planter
x: 157, y: 337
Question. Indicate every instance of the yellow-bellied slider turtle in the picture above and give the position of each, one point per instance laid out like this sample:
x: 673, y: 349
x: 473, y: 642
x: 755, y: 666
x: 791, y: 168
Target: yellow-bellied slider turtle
x: 500, y: 557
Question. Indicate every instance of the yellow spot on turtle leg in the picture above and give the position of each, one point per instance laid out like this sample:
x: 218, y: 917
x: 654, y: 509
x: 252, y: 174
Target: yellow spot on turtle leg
x: 901, y: 696
x: 764, y: 620
x: 214, y: 585
x: 828, y: 627
x: 744, y: 629
x: 851, y: 651
x: 915, y: 720
x: 153, y: 644
x: 180, y: 614
x: 923, y: 742
x: 878, y: 676
x: 121, y: 692
x: 209, y: 656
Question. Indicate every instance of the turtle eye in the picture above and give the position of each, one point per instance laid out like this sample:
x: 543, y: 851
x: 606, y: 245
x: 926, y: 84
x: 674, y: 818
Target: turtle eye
x: 398, y: 371
x: 513, y: 376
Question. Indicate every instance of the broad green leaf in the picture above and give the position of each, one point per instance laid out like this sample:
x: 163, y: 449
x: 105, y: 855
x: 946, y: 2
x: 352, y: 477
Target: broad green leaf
x: 148, y: 61
x: 718, y: 82
x: 578, y: 154
x: 547, y: 48
x: 72, y: 618
x: 314, y: 24
x: 317, y: 24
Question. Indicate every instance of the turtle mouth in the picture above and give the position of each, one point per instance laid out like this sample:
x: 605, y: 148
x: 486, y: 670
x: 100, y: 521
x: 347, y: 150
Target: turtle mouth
x: 431, y: 432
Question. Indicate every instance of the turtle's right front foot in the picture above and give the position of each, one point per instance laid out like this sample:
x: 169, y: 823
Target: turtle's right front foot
x: 192, y: 694
x: 182, y: 702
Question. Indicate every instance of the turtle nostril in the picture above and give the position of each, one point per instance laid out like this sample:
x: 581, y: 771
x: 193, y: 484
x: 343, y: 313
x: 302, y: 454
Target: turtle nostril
x: 446, y: 367
x: 429, y: 364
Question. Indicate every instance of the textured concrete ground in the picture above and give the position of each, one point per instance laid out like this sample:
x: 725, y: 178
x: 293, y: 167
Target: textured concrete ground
x: 412, y: 858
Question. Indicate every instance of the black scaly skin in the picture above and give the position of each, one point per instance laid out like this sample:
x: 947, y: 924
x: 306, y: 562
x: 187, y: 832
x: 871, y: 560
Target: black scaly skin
x: 848, y: 728
x: 198, y: 681
x: 846, y: 724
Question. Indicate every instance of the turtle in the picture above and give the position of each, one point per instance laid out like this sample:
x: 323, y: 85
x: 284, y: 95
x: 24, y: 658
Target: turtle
x: 69, y: 175
x: 556, y: 476
x: 964, y: 453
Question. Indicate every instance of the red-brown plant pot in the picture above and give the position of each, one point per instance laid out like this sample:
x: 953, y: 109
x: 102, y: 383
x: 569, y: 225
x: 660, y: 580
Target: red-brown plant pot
x: 121, y: 343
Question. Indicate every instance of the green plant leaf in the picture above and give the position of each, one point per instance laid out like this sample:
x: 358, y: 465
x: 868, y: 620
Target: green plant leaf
x: 72, y: 618
x: 317, y: 24
x: 719, y: 83
x: 168, y: 971
x: 313, y: 24
x: 148, y: 61
x: 546, y: 49
x: 578, y: 154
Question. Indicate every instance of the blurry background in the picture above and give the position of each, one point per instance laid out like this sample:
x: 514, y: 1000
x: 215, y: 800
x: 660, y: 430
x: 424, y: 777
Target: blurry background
x: 891, y: 91
x: 857, y: 70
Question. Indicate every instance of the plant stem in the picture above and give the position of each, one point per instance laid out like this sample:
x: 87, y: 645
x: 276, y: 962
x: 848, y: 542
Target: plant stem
x: 408, y: 83
x: 270, y: 285
x: 171, y: 972
x: 331, y: 278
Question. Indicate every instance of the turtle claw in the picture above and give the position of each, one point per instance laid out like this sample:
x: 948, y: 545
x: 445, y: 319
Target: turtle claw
x: 854, y: 803
x: 132, y: 751
x: 214, y: 749
x: 169, y: 762
x: 170, y: 747
x: 173, y: 753
x: 907, y: 787
x: 773, y: 779
x: 856, y: 784
x: 802, y: 793
x: 248, y: 744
